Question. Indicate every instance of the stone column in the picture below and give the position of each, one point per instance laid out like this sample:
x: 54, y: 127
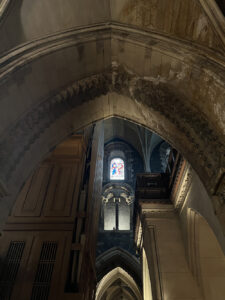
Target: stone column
x: 162, y: 241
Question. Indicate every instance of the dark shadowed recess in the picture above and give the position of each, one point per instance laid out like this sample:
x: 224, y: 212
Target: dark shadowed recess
x: 221, y: 4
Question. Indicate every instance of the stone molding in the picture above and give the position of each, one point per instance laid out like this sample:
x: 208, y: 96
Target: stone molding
x: 154, y: 211
x: 138, y: 234
x: 157, y: 96
x: 219, y: 198
x: 26, y: 53
x: 3, y: 7
x: 184, y: 184
x: 117, y: 256
x: 42, y: 116
x: 150, y: 245
x: 115, y: 274
x: 216, y: 17
x: 209, y: 7
x: 193, y: 245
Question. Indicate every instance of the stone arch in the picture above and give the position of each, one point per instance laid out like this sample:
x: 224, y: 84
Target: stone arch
x: 118, y: 257
x: 164, y: 98
x: 112, y: 104
x: 113, y: 276
x: 37, y: 146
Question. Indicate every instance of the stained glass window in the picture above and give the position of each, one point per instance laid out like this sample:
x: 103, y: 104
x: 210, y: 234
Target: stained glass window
x: 117, y: 169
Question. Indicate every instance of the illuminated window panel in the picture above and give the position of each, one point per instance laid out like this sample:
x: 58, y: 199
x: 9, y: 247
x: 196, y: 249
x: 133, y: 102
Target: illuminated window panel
x: 117, y: 169
x: 124, y: 216
x: 110, y: 216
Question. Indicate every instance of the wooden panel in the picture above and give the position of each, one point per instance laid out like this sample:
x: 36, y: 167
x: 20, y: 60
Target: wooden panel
x: 31, y: 256
x: 30, y: 200
x: 45, y: 212
x: 62, y: 190
x: 4, y: 245
x: 70, y: 149
x: 52, y: 190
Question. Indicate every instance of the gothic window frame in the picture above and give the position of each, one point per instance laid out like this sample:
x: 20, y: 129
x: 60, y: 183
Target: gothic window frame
x: 115, y: 194
x: 116, y: 208
x: 124, y: 166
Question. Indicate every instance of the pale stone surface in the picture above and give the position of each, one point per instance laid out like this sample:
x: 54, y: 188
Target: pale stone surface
x: 199, y: 200
x: 27, y: 21
x: 176, y: 280
x: 184, y: 19
x: 179, y: 286
x: 212, y: 263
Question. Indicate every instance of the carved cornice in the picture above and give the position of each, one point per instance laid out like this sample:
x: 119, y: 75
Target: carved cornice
x: 181, y: 185
x: 156, y: 211
x: 193, y: 54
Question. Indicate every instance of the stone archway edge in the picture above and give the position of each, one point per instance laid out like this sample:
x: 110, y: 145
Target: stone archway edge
x: 216, y: 17
x: 121, y: 81
x: 3, y: 7
x: 24, y: 54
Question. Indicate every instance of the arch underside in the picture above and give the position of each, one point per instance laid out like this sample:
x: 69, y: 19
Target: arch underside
x: 118, y: 283
x: 61, y: 84
x: 118, y: 257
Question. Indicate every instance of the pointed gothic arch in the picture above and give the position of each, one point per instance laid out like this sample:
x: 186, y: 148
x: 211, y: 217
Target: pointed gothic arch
x: 118, y: 257
x: 164, y: 98
x: 113, y: 276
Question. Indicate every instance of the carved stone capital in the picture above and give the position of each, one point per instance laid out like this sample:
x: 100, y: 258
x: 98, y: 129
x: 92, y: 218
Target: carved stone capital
x: 151, y: 211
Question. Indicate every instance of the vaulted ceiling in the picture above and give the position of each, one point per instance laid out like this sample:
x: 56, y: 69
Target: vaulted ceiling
x: 115, y: 128
x: 198, y: 21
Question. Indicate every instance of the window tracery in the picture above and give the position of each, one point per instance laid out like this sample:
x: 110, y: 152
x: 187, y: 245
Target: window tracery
x: 117, y: 208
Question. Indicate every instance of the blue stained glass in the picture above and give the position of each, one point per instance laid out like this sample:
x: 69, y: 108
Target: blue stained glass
x: 117, y: 169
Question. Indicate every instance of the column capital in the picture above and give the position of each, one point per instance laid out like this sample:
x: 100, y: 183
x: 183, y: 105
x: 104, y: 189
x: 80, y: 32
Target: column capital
x: 156, y: 210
